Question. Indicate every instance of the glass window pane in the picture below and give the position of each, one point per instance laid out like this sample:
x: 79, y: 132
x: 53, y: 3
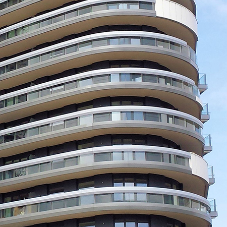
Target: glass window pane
x: 118, y: 197
x: 84, y: 10
x: 71, y: 14
x: 44, y: 129
x: 155, y: 157
x: 130, y: 224
x: 148, y: 41
x: 45, y: 22
x: 58, y: 125
x: 150, y: 78
x: 128, y: 155
x: 136, y: 77
x: 168, y: 199
x: 70, y: 85
x: 33, y: 131
x: 45, y: 206
x: 57, y: 18
x: 85, y: 82
x: 152, y: 117
x: 58, y: 164
x: 129, y: 197
x: 99, y: 42
x: 71, y: 49
x: 71, y: 122
x: 45, y: 167
x: 33, y: 169
x: 57, y: 53
x: 155, y: 198
x: 115, y: 77
x: 58, y: 204
x: 195, y: 205
x: 72, y: 202
x: 22, y: 63
x: 46, y: 56
x: 102, y: 157
x: 11, y: 67
x: 21, y: 98
x: 86, y: 120
x: 85, y: 45
x: 102, y: 117
x: 101, y: 79
x: 33, y: 95
x: 146, y: 5
x: 138, y: 116
x: 113, y: 41
x: 86, y: 159
x: 163, y: 43
x: 140, y: 155
x: 117, y: 155
x: 142, y: 197
x: 34, y: 60
x: 86, y: 199
x: 112, y: 6
x: 105, y: 198
x: 71, y: 161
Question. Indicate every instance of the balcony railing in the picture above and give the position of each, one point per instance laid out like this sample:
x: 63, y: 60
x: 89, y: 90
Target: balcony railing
x: 205, y: 115
x: 97, y: 155
x: 161, y: 41
x: 208, y: 145
x: 102, y: 114
x: 211, y: 175
x: 71, y: 12
x: 7, y: 3
x: 170, y: 197
x: 96, y: 77
x: 213, y: 206
x: 202, y: 84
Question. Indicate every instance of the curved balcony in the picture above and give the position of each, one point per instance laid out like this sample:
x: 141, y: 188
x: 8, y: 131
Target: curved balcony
x: 176, y: 12
x: 90, y: 201
x: 101, y: 160
x: 166, y: 50
x: 12, y: 11
x: 39, y: 29
x: 103, y: 80
x: 185, y: 129
x: 188, y: 4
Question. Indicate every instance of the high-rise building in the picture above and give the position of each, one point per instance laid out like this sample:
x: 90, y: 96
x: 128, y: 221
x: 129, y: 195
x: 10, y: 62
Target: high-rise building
x: 100, y: 115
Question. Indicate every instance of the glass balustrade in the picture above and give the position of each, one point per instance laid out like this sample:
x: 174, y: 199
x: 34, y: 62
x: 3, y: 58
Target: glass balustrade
x: 98, y: 79
x: 91, y: 158
x: 109, y: 197
x: 202, y: 79
x: 205, y: 110
x: 69, y: 14
x: 213, y: 206
x: 8, y: 3
x: 86, y: 45
x: 211, y: 172
x: 90, y: 119
x: 207, y: 139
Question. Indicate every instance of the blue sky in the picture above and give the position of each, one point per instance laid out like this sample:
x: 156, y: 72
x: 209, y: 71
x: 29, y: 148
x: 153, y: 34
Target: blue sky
x: 212, y: 60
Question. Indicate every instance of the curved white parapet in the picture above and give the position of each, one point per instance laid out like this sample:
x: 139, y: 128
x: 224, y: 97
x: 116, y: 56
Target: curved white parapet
x: 199, y: 166
x: 88, y: 157
x: 110, y: 75
x: 176, y: 12
x: 184, y: 202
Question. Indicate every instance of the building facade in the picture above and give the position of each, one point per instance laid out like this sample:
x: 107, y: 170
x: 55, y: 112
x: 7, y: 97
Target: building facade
x: 100, y: 115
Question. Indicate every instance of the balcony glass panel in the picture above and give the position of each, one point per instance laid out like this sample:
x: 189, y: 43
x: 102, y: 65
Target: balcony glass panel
x: 104, y: 198
x: 102, y: 157
x: 87, y: 199
x: 155, y: 198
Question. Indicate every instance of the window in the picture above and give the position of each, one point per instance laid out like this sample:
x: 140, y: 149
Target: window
x: 103, y: 157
